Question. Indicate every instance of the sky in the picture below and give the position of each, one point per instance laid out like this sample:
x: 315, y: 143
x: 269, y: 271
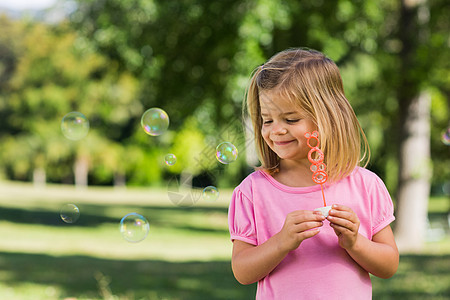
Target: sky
x: 27, y: 4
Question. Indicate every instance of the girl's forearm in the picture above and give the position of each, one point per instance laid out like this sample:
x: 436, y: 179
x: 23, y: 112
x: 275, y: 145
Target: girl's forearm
x: 379, y: 259
x: 255, y: 262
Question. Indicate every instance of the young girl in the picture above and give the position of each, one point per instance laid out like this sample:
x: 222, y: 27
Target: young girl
x: 279, y: 241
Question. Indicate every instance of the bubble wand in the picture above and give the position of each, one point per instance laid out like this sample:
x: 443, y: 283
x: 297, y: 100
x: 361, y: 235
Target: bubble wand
x: 318, y: 168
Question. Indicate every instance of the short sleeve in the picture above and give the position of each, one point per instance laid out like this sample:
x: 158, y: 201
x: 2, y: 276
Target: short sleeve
x: 241, y: 218
x: 382, y: 207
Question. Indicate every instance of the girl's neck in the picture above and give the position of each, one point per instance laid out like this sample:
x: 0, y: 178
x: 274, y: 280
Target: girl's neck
x: 294, y: 174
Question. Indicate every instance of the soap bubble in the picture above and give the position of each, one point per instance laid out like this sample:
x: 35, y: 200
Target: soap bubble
x: 134, y: 227
x: 170, y: 159
x: 74, y: 126
x: 155, y: 121
x: 446, y: 137
x: 226, y: 152
x: 210, y: 193
x: 69, y: 213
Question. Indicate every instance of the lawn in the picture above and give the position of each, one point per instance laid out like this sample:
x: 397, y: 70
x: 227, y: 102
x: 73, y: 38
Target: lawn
x: 185, y: 256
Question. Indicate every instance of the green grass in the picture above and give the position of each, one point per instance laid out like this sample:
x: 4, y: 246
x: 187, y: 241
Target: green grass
x: 41, y: 276
x: 185, y: 256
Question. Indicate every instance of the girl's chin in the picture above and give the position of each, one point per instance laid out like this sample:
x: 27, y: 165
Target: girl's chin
x: 293, y: 158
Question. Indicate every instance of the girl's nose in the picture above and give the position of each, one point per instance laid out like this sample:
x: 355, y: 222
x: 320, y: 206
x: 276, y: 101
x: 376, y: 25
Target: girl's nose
x: 279, y: 129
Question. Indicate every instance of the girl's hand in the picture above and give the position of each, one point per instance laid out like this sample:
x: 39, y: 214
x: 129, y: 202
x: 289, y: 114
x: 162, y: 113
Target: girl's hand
x: 298, y: 226
x: 345, y: 224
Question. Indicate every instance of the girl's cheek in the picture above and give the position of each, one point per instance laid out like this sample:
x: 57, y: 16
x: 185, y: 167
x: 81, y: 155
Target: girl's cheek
x: 265, y: 133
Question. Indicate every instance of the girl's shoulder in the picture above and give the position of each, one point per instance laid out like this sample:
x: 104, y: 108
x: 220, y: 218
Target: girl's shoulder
x: 253, y: 182
x: 365, y: 177
x: 256, y: 177
x: 244, y: 189
x: 365, y: 174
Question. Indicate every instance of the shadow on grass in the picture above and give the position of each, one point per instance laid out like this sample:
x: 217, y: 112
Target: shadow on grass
x: 94, y: 215
x: 418, y: 277
x: 95, y: 278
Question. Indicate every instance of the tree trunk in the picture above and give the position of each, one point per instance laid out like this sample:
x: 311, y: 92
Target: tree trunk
x: 414, y: 131
x: 119, y: 180
x: 81, y: 170
x: 250, y: 145
x: 414, y: 176
x: 39, y: 177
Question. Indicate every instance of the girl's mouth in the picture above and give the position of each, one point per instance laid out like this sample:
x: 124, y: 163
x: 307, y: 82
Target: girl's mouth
x: 282, y: 143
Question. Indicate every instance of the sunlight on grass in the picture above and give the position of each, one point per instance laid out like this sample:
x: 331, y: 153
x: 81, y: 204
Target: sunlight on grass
x: 105, y: 241
x: 185, y: 256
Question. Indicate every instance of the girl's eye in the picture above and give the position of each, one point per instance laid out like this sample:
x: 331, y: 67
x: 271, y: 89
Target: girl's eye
x: 267, y: 121
x: 292, y: 120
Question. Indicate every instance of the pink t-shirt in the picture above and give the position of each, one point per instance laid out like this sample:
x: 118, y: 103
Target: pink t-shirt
x: 319, y: 268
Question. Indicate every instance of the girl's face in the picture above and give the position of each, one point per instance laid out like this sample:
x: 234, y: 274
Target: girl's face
x: 284, y: 127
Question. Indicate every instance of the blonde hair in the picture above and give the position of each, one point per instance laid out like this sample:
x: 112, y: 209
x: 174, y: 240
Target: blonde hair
x: 312, y: 82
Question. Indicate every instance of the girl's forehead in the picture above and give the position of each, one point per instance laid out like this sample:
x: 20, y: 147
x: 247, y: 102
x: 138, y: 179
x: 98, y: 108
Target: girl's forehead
x: 275, y: 102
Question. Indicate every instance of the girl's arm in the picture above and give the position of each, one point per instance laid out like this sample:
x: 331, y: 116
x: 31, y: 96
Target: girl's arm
x: 378, y: 256
x: 251, y: 263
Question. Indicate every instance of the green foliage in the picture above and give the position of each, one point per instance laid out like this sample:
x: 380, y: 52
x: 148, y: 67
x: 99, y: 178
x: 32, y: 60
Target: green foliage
x: 116, y: 58
x: 188, y: 144
x: 61, y: 75
x: 181, y: 65
x: 143, y: 167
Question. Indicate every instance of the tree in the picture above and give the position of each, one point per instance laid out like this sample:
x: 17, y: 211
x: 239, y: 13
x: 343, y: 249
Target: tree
x: 63, y: 74
x: 193, y: 59
x: 180, y: 50
x: 416, y: 62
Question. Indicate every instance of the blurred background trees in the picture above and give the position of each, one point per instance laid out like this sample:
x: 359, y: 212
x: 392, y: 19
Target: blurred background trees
x: 113, y: 59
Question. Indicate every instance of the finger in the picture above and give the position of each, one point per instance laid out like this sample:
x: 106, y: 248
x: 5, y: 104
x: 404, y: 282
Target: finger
x: 342, y: 222
x: 342, y: 210
x: 339, y: 230
x: 305, y: 213
x: 341, y: 207
x: 344, y: 214
x: 307, y: 217
x: 305, y: 226
x: 308, y: 234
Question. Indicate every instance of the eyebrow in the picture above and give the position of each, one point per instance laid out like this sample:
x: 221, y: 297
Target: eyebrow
x: 282, y: 114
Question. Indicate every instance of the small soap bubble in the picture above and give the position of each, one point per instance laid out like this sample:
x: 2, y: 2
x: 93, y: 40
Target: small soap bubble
x: 74, y: 126
x: 226, y: 152
x: 170, y: 159
x: 446, y: 137
x: 134, y: 227
x: 69, y: 213
x: 210, y: 193
x: 155, y: 121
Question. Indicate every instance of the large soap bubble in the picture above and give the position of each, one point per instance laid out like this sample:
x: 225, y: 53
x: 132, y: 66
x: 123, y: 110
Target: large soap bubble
x: 74, y: 126
x: 134, y: 227
x: 69, y: 213
x: 226, y: 152
x: 210, y: 193
x: 155, y: 121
